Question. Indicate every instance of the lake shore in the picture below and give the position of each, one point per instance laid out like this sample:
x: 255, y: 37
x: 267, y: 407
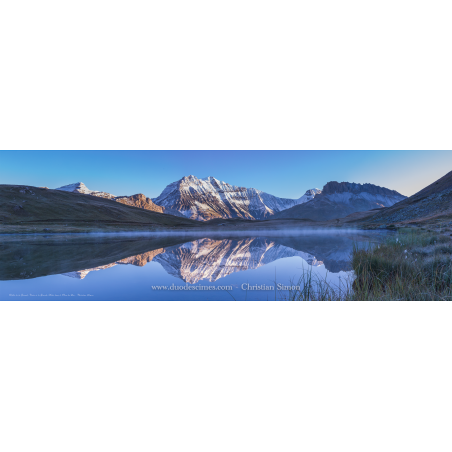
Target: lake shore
x: 233, y: 224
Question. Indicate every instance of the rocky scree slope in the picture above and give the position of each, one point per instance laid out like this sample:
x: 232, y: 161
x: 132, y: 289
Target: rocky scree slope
x: 339, y: 199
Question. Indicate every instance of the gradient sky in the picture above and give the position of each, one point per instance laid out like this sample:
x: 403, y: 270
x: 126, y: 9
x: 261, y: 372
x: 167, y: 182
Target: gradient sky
x: 286, y: 174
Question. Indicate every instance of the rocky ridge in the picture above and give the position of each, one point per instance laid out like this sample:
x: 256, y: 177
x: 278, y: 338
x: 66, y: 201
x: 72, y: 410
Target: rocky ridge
x: 140, y: 201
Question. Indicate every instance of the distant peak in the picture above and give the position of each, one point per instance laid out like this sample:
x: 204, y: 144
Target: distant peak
x: 80, y: 187
x: 313, y: 191
x: 309, y: 195
x: 74, y: 186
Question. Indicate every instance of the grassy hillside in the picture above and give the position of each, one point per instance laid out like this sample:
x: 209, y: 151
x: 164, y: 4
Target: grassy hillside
x: 432, y: 205
x: 26, y: 206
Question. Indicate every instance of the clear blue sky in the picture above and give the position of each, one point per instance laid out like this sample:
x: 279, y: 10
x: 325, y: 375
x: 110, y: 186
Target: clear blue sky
x: 282, y: 173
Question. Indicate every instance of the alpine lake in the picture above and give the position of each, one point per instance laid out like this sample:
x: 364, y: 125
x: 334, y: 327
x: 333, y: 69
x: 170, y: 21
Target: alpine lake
x: 158, y: 266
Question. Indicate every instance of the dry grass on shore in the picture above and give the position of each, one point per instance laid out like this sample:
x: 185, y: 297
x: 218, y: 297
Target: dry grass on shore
x: 413, y: 265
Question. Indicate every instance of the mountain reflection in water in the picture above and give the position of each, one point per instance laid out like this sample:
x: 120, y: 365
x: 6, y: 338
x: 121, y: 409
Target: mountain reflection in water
x: 190, y: 259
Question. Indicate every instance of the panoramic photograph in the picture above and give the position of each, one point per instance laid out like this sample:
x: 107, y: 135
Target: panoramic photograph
x: 226, y: 225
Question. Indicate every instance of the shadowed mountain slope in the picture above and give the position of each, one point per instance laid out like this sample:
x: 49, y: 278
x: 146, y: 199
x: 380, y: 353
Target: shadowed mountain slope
x: 338, y: 200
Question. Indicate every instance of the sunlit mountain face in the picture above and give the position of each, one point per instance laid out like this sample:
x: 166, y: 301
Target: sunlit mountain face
x: 209, y: 198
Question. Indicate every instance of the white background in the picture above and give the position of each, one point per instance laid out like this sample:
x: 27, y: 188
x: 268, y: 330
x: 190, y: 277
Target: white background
x: 225, y: 376
x: 236, y: 74
x: 219, y: 376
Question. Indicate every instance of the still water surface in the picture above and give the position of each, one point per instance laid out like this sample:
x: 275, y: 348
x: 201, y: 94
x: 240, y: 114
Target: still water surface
x: 173, y: 267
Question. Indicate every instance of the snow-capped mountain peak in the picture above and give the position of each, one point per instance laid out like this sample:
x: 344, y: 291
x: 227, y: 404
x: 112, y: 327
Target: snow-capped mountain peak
x: 310, y: 194
x: 80, y: 187
x: 208, y: 198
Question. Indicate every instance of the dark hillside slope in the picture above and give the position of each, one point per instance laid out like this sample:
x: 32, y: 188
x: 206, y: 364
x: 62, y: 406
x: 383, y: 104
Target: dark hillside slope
x: 26, y: 204
x: 432, y: 203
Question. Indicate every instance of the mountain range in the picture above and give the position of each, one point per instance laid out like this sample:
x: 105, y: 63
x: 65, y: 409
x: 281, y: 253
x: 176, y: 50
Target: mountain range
x: 209, y: 198
x: 75, y: 208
